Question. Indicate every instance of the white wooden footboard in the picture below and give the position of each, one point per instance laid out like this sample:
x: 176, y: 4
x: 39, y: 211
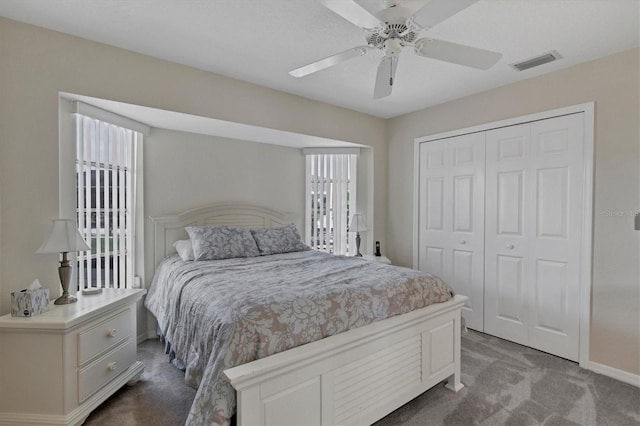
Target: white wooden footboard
x: 356, y: 377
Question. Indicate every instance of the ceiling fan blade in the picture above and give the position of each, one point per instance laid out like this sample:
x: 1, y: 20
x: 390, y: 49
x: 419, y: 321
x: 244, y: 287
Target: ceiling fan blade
x: 353, y: 12
x: 437, y: 11
x: 385, y: 76
x: 330, y: 61
x: 457, y: 53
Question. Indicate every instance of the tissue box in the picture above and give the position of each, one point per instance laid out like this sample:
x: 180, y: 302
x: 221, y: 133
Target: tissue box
x: 27, y: 303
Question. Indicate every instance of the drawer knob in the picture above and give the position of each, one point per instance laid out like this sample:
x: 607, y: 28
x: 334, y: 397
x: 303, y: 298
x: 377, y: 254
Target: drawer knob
x: 112, y: 365
x: 463, y: 242
x: 510, y: 246
x: 112, y: 332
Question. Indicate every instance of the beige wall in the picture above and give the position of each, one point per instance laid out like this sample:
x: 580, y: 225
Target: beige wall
x: 613, y: 83
x: 36, y: 64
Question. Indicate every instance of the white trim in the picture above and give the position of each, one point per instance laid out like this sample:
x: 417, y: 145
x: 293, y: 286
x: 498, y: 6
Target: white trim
x: 315, y: 151
x: 614, y: 373
x: 144, y: 336
x: 366, y: 164
x: 307, y: 227
x: 586, y: 244
x: 575, y: 109
x: 416, y: 203
x: 587, y: 230
x: 103, y: 115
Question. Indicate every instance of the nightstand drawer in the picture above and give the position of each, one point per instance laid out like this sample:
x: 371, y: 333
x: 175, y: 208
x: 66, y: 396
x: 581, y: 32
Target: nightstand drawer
x: 99, y: 338
x: 106, y: 368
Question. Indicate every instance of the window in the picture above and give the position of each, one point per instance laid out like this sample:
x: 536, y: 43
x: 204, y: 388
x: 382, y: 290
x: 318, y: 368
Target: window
x: 106, y: 199
x: 331, y: 200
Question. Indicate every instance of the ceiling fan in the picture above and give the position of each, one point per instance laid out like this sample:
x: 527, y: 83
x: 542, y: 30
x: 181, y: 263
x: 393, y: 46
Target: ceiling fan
x: 393, y: 29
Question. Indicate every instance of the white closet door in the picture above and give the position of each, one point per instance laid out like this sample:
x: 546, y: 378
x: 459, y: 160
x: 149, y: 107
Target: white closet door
x: 534, y: 178
x: 558, y: 167
x: 451, y: 217
x: 507, y: 232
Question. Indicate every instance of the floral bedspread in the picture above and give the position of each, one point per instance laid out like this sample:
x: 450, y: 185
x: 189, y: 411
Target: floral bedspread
x: 221, y: 313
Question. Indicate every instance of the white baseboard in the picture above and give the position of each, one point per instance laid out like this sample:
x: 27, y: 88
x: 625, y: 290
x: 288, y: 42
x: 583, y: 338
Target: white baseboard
x: 142, y: 337
x: 614, y: 373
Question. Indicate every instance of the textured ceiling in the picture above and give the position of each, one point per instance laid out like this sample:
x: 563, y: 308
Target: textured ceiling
x: 261, y: 40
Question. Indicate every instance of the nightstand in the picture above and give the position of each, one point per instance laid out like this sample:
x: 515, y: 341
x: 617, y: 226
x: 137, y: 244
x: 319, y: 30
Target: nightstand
x: 381, y: 259
x: 58, y: 366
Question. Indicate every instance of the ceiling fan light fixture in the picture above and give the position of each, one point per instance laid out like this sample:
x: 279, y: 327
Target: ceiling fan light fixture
x: 393, y: 47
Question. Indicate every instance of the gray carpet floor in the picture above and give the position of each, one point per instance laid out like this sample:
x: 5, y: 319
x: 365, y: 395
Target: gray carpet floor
x: 505, y: 384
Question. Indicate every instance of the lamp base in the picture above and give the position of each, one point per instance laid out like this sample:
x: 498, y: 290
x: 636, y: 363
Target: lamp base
x: 358, y: 254
x: 65, y: 299
x: 64, y: 271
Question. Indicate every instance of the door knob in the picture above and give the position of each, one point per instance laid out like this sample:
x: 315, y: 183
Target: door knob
x: 510, y: 246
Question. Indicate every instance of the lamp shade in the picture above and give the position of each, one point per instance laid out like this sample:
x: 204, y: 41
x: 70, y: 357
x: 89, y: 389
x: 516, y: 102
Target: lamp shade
x: 357, y: 223
x: 63, y: 237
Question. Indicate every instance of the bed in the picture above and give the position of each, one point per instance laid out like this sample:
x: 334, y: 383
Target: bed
x: 351, y: 371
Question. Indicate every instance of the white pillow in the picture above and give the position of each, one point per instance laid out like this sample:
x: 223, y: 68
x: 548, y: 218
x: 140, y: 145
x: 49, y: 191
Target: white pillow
x: 184, y: 249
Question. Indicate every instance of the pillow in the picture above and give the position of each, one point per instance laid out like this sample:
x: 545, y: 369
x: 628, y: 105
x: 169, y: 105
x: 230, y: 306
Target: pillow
x: 284, y: 239
x: 221, y: 242
x: 184, y: 249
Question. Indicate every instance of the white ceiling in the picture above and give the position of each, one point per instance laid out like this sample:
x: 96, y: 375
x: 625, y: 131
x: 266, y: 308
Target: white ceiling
x: 261, y: 40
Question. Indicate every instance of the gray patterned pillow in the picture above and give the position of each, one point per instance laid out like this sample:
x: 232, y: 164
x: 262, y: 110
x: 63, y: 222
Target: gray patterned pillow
x: 221, y: 242
x: 284, y: 239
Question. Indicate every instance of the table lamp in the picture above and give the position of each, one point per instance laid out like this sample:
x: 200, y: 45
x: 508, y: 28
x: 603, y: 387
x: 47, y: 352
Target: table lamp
x: 357, y: 225
x: 63, y: 238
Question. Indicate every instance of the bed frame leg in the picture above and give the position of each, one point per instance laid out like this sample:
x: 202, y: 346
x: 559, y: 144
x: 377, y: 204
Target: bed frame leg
x: 453, y: 383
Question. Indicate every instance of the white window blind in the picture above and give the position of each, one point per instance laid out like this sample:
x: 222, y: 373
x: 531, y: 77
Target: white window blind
x: 331, y: 200
x: 106, y: 194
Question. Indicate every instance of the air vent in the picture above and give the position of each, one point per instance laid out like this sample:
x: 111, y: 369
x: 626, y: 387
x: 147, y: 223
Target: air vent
x: 537, y: 61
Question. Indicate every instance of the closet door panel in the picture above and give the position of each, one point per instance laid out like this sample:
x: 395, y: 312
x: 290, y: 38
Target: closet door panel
x: 463, y: 203
x: 557, y: 152
x: 507, y: 198
x: 435, y: 205
x: 435, y: 262
x: 451, y: 217
x: 510, y: 209
x: 552, y: 202
x: 551, y: 296
x: 510, y: 290
x: 467, y: 234
x: 434, y: 193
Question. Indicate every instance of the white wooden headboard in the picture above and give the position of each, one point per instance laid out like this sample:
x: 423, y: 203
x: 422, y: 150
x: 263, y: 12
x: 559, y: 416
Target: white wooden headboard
x: 170, y: 228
